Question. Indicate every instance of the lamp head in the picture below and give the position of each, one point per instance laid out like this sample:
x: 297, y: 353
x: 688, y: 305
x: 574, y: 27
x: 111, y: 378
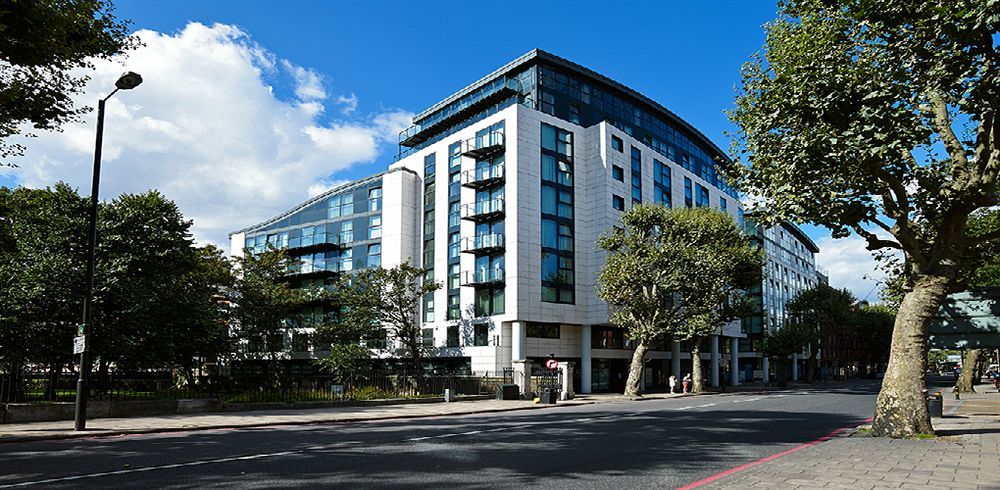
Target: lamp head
x: 128, y: 81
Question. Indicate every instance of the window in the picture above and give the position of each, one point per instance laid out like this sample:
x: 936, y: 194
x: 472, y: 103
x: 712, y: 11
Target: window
x: 454, y: 272
x: 688, y: 193
x: 636, y: 175
x: 454, y: 219
x: 454, y: 241
x: 346, y: 231
x: 481, y: 335
x: 547, y: 103
x: 618, y: 173
x: 429, y: 222
x: 375, y: 255
x: 428, y: 254
x: 429, y: 165
x: 454, y: 156
x: 429, y: 307
x: 489, y: 302
x: 617, y: 143
x: 452, y: 336
x: 374, y: 227
x: 557, y: 215
x: 454, y: 186
x: 340, y: 206
x: 702, y: 201
x: 661, y: 183
x: 454, y: 311
x: 300, y: 342
x: 542, y: 330
x: 375, y: 199
x: 723, y: 205
x: 574, y: 114
x: 429, y: 195
x: 618, y: 202
x: 427, y: 337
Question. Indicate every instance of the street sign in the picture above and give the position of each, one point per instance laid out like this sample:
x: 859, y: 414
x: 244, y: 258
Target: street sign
x: 79, y: 344
x: 79, y: 329
x: 552, y: 364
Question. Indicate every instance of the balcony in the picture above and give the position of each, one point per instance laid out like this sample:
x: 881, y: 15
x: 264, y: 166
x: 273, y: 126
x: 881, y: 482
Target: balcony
x: 316, y: 268
x: 492, y: 93
x: 483, y: 277
x: 484, y: 145
x: 484, y: 177
x: 483, y: 244
x: 483, y: 210
x: 319, y: 242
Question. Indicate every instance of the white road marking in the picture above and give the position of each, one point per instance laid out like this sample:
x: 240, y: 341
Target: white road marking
x: 148, y: 468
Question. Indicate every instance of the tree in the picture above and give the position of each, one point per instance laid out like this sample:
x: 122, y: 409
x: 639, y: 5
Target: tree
x: 825, y: 310
x: 264, y: 304
x: 782, y: 343
x: 46, y: 46
x: 386, y: 299
x: 872, y: 326
x: 881, y: 118
x: 671, y: 272
x: 41, y: 276
x: 966, y: 382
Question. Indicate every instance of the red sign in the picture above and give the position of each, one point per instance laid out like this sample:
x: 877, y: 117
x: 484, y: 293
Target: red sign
x: 552, y: 364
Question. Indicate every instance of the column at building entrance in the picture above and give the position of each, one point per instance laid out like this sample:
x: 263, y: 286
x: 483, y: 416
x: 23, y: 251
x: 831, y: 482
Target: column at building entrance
x: 715, y: 360
x: 585, y: 362
x: 734, y: 352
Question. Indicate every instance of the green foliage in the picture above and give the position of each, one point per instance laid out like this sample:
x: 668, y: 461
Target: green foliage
x: 381, y: 300
x: 153, y: 295
x: 46, y: 47
x: 677, y: 272
x: 873, y: 324
x: 265, y: 305
x: 787, y: 340
x: 877, y: 114
x: 345, y: 359
x: 822, y: 309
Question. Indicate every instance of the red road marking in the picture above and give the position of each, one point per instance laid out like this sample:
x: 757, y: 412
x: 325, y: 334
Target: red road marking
x: 772, y: 457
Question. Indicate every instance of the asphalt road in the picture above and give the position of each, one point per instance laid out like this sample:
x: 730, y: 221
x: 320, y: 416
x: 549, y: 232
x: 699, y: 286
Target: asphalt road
x: 653, y: 443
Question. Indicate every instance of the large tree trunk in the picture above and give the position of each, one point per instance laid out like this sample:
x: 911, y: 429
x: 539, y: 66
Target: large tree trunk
x: 780, y: 365
x: 901, y: 408
x: 697, y: 379
x: 967, y: 380
x: 811, y: 365
x: 632, y: 388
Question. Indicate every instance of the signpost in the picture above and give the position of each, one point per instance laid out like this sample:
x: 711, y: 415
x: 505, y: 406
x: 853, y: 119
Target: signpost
x: 552, y: 364
x: 79, y: 344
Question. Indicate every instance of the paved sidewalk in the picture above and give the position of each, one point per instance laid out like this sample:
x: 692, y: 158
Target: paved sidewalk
x: 966, y: 455
x: 63, y: 429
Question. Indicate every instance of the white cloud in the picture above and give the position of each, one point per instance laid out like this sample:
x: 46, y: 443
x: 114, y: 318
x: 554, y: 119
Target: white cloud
x: 207, y: 130
x: 308, y: 83
x: 350, y: 103
x: 850, y: 266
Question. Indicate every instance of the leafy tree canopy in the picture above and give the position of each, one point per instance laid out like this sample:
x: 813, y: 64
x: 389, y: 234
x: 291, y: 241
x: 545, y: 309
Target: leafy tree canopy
x: 46, y: 46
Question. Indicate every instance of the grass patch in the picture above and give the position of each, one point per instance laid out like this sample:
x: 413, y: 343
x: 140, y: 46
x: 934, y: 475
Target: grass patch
x: 923, y: 436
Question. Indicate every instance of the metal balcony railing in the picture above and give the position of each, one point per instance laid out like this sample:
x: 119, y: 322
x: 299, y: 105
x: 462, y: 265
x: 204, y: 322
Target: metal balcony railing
x: 483, y: 145
x: 483, y: 244
x: 483, y: 210
x: 483, y: 177
x: 317, y: 241
x: 490, y: 93
x: 483, y: 277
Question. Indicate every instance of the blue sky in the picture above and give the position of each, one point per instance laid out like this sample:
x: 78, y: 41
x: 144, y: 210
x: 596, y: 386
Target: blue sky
x: 349, y: 74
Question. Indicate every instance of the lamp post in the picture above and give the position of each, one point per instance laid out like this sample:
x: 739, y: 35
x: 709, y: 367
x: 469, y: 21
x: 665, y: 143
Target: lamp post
x: 127, y: 81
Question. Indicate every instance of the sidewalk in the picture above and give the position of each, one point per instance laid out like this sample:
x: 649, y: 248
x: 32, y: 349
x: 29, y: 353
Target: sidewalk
x: 63, y: 429
x: 965, y: 455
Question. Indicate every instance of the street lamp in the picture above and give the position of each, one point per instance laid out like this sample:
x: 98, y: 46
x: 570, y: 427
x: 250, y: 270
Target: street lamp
x: 127, y: 81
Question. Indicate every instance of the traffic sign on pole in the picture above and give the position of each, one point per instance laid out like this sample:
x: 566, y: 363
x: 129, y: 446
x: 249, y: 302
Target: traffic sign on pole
x: 79, y: 344
x: 552, y: 364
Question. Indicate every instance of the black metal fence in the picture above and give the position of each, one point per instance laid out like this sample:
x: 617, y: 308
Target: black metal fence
x: 41, y: 387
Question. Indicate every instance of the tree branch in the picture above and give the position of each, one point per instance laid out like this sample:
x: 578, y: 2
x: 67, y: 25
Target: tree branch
x: 874, y: 242
x: 942, y: 121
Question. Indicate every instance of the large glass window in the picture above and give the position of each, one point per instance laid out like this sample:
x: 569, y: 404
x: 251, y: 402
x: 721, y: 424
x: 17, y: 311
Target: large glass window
x: 454, y: 218
x: 557, y: 215
x: 429, y: 165
x: 489, y: 302
x: 688, y: 193
x: 339, y: 206
x: 618, y: 202
x: 617, y: 144
x: 375, y: 255
x: 618, y: 173
x: 702, y: 201
x: 454, y: 156
x: 542, y: 330
x: 454, y: 311
x: 374, y: 227
x: 375, y: 199
x: 481, y: 335
x: 429, y: 307
x: 452, y: 336
x: 454, y: 245
x: 454, y: 273
x: 636, y: 175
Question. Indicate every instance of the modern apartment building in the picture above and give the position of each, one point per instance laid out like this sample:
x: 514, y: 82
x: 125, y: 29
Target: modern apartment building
x: 500, y: 191
x: 790, y: 268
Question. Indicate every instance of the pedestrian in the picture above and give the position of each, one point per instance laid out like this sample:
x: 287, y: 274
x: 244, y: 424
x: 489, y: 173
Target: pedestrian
x: 686, y: 383
x: 673, y: 383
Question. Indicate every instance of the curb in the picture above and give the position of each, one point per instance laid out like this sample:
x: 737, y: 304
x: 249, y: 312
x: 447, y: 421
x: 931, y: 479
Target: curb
x: 165, y: 430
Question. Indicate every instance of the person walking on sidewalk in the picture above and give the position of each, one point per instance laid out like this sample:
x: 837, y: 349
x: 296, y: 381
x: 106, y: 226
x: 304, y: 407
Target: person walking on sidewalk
x: 673, y: 384
x: 686, y: 383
